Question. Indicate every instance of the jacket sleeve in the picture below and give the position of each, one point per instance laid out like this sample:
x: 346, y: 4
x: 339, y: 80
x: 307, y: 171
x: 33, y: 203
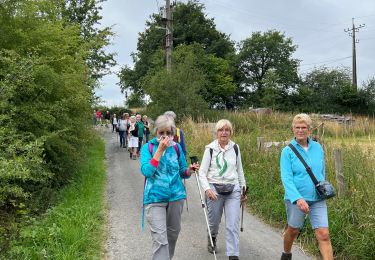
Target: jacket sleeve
x: 203, y: 170
x: 287, y: 176
x: 182, y: 142
x: 147, y: 169
x: 184, y: 170
x: 241, y: 176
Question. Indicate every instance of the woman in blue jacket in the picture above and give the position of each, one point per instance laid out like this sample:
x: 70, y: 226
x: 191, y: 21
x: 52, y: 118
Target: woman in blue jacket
x: 300, y: 196
x: 163, y: 163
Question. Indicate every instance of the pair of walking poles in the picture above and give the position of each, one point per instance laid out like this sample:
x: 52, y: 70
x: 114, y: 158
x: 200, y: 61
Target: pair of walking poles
x: 194, y: 159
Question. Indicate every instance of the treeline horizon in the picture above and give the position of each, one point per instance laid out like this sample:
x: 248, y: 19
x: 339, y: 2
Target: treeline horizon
x: 209, y: 70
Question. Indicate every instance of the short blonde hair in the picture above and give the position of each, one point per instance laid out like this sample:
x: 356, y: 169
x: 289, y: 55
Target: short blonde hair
x: 302, y: 118
x: 163, y: 122
x: 224, y: 122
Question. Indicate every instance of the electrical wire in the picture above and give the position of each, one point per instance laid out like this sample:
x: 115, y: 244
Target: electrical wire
x: 329, y: 61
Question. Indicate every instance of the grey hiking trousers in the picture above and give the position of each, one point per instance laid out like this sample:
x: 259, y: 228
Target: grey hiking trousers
x: 231, y: 206
x: 165, y: 225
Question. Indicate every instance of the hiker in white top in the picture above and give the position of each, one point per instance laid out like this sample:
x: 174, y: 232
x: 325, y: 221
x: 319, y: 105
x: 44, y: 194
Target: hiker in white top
x: 114, y: 123
x: 221, y: 177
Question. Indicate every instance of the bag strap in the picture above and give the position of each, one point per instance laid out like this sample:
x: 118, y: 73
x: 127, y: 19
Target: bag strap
x: 308, y: 169
x: 235, y: 147
x: 151, y: 149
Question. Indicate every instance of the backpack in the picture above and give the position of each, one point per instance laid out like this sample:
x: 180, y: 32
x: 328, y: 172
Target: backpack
x: 178, y: 135
x: 235, y: 147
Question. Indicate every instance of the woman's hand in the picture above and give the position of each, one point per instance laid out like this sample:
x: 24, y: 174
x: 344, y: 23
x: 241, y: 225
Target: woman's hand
x: 211, y: 194
x: 163, y: 144
x: 194, y: 167
x: 303, y: 206
x: 243, y: 194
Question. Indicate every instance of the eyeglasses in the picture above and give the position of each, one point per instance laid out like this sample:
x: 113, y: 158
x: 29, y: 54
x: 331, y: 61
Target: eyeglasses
x: 303, y: 128
x: 165, y: 133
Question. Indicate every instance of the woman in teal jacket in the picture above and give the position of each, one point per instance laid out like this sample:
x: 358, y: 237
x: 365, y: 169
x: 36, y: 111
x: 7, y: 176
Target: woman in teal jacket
x: 164, y: 165
x: 300, y: 197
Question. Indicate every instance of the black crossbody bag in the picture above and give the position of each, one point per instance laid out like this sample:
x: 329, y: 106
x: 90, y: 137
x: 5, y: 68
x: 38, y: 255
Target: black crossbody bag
x: 324, y: 188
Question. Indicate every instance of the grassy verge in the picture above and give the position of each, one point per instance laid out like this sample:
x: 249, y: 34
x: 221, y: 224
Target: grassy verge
x: 73, y: 229
x: 351, y: 217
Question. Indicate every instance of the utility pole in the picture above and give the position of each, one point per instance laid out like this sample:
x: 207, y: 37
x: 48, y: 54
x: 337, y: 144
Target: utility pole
x: 168, y: 35
x: 354, y: 56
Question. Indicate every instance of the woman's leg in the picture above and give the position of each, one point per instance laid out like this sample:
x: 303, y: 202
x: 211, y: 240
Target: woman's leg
x: 121, y: 134
x: 156, y: 215
x: 174, y: 211
x: 214, y: 213
x: 319, y: 222
x: 232, y: 219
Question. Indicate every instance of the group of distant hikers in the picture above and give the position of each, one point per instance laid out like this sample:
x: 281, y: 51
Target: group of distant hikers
x: 220, y: 175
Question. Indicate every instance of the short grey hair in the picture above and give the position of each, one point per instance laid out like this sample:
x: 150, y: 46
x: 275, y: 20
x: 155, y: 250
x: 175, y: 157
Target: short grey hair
x: 171, y: 114
x: 302, y: 118
x: 163, y: 122
x: 224, y: 122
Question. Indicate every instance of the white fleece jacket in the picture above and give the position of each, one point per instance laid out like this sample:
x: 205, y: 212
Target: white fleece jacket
x: 209, y: 170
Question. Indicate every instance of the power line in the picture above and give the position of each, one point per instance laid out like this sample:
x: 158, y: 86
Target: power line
x: 329, y: 61
x: 268, y: 20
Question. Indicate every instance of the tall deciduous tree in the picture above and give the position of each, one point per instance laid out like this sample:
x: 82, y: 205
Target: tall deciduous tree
x: 178, y: 91
x: 261, y: 54
x: 190, y: 26
x: 325, y: 90
x: 86, y: 14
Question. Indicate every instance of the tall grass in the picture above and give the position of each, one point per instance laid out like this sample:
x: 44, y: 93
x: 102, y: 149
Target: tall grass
x: 351, y: 218
x: 73, y: 228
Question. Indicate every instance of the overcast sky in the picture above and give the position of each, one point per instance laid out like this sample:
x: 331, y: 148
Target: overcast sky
x: 315, y: 26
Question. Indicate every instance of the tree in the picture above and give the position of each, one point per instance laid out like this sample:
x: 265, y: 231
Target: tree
x: 191, y: 26
x: 86, y: 14
x: 177, y: 91
x: 45, y: 100
x: 261, y: 54
x: 329, y: 90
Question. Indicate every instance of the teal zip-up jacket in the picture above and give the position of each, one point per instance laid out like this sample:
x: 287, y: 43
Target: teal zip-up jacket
x: 297, y: 182
x: 163, y: 179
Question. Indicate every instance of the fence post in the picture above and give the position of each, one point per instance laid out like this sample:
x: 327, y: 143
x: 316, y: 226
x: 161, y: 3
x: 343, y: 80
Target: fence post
x: 339, y: 172
x: 260, y: 143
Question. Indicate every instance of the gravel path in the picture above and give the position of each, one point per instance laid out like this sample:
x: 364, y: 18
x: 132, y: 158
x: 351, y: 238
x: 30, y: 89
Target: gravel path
x: 126, y: 241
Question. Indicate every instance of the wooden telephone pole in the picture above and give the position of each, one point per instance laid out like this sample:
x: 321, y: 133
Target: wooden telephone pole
x: 354, y: 56
x: 167, y: 17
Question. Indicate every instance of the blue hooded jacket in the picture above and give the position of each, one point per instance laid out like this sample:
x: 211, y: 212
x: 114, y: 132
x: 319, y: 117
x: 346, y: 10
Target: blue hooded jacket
x: 164, y: 182
x: 297, y: 182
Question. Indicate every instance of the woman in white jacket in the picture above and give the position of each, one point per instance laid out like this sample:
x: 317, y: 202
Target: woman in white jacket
x: 221, y: 177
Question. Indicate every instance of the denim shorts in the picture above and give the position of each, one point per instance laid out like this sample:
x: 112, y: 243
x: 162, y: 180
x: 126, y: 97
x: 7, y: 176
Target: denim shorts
x: 318, y: 214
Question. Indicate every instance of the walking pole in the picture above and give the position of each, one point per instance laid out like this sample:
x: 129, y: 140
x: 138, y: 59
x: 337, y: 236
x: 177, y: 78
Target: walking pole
x: 187, y: 205
x: 195, y: 160
x: 243, y: 207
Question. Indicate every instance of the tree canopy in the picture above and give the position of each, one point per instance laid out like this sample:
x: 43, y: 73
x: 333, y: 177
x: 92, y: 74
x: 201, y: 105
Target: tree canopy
x: 265, y: 55
x: 46, y: 95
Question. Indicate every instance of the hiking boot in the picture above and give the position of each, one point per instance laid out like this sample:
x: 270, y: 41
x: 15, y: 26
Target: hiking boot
x: 286, y: 256
x: 233, y: 257
x: 209, y: 246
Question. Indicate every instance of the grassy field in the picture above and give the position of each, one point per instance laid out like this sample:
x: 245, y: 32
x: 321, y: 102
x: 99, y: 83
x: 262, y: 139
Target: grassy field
x: 352, y: 218
x: 73, y: 229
